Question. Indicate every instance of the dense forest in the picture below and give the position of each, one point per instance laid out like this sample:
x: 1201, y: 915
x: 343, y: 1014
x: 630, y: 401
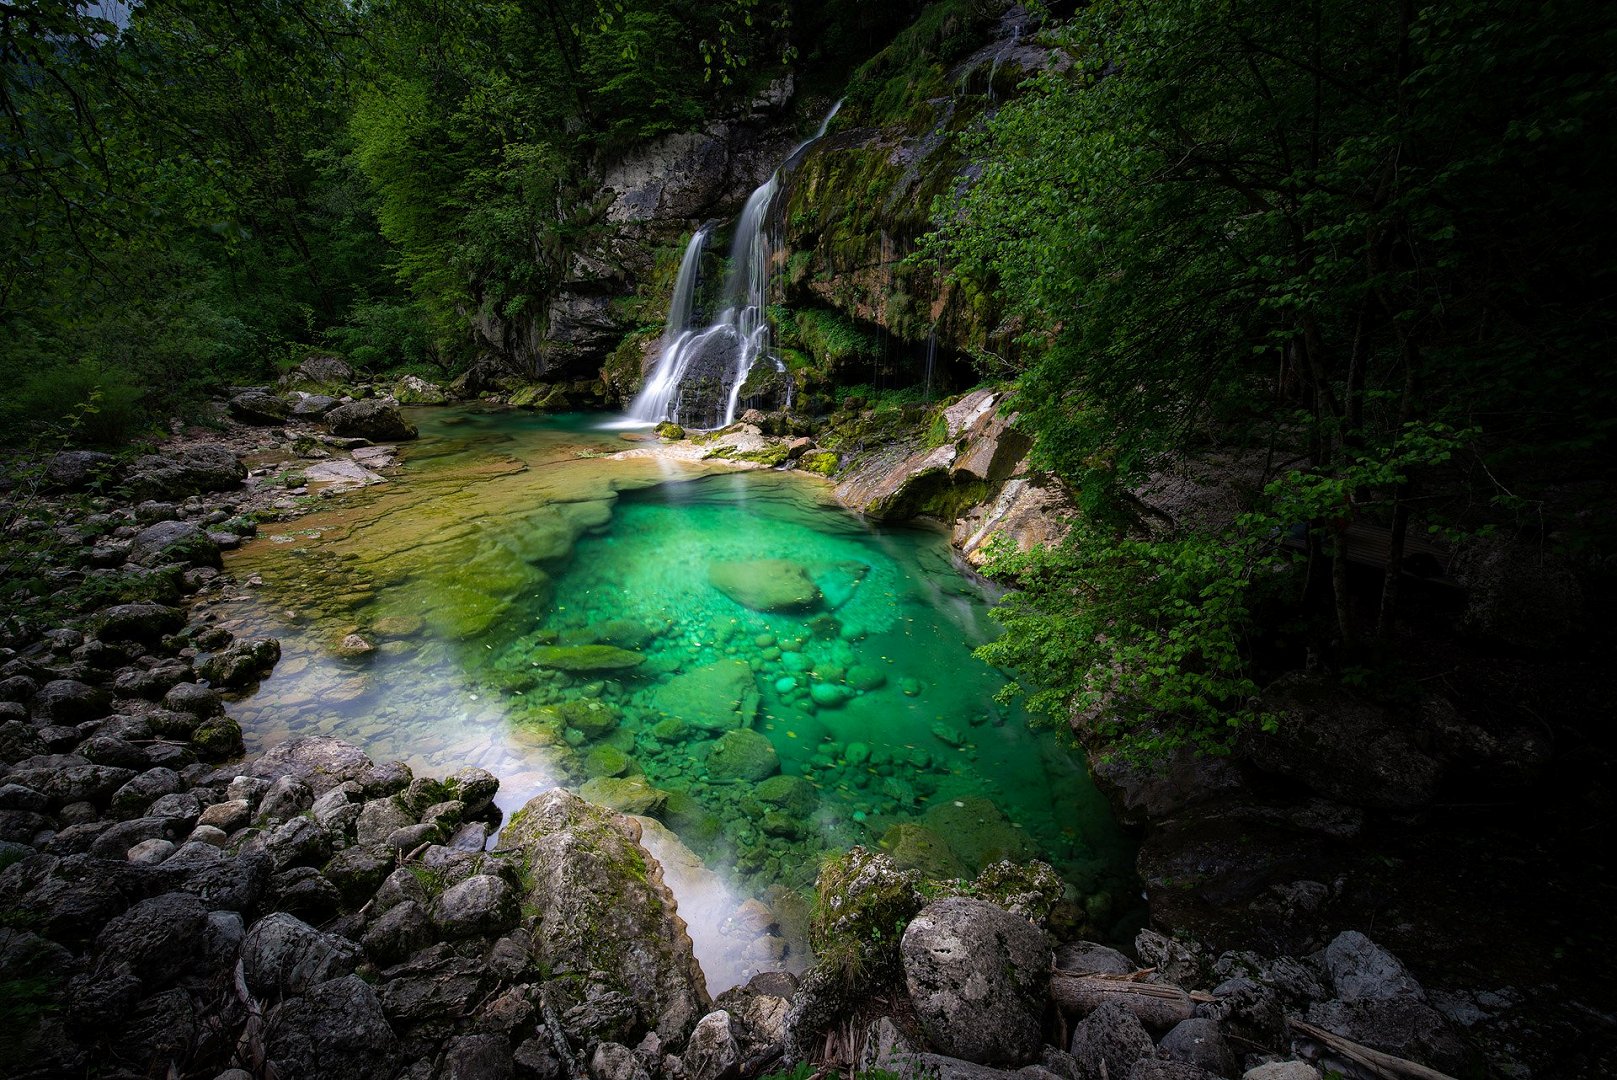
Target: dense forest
x: 1367, y: 242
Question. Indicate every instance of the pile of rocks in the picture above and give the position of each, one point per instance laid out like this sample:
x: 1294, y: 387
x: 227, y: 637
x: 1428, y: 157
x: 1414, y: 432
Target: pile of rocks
x: 315, y: 914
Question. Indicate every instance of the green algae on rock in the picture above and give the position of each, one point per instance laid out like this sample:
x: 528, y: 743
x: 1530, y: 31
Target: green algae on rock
x: 586, y: 658
x: 766, y: 584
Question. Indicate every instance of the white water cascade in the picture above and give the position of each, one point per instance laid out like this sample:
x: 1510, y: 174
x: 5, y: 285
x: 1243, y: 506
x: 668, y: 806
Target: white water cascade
x: 699, y: 375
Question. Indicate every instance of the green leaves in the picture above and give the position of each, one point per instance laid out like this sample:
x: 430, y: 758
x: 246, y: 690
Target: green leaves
x: 1140, y: 641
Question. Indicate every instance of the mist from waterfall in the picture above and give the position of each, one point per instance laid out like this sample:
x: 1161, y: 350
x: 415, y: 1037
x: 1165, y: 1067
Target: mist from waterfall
x: 698, y: 377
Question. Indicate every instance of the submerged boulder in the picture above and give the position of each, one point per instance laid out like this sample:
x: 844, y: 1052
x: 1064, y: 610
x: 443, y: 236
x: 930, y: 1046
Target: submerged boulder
x: 721, y: 696
x: 766, y: 584
x: 585, y: 658
x: 742, y: 755
x: 605, y: 917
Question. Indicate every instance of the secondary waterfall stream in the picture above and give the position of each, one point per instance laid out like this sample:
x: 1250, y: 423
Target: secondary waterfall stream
x: 699, y: 375
x: 567, y: 607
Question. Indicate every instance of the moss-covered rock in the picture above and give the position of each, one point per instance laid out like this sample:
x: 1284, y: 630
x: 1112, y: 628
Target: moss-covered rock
x: 820, y: 462
x: 218, y: 737
x: 670, y: 431
x: 602, y: 920
x: 541, y: 397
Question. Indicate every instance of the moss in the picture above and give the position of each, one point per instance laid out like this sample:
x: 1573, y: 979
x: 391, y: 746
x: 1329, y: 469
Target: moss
x: 670, y: 432
x: 820, y: 462
x: 951, y: 501
x: 621, y: 372
x: 219, y: 737
x: 772, y: 455
x: 539, y: 396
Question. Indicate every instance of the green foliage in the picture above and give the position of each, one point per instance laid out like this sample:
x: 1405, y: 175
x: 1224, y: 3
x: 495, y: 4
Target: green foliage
x: 831, y: 338
x: 91, y: 402
x: 1140, y: 641
x: 1334, y: 235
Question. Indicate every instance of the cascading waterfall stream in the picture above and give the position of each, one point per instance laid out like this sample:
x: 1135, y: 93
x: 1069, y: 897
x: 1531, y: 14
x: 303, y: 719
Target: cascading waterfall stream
x: 699, y: 375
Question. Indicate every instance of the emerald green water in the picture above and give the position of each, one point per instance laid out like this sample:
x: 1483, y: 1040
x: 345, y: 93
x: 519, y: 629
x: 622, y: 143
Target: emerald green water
x: 515, y: 548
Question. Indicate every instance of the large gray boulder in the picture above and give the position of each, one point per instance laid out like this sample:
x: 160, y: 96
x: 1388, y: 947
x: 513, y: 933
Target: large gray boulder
x: 258, y: 407
x: 160, y: 939
x: 605, y: 914
x: 482, y: 905
x: 1362, y: 970
x: 75, y: 470
x: 204, y: 467
x: 1111, y: 1039
x: 714, y: 1049
x: 173, y: 542
x: 284, y: 955
x: 211, y: 466
x: 978, y: 977
x: 373, y: 419
x: 317, y: 760
x: 138, y: 622
x: 324, y: 370
x: 68, y: 701
x: 336, y: 1030
x: 1199, y: 1042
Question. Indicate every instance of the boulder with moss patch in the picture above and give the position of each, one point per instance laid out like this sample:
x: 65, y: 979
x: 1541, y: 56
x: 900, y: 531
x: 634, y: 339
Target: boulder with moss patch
x: 605, y: 923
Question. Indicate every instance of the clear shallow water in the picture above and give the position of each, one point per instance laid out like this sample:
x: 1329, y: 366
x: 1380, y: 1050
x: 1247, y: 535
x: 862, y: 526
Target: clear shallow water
x: 515, y: 550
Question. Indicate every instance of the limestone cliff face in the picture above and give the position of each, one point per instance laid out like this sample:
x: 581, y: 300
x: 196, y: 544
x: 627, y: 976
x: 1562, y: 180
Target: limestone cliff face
x: 646, y: 201
x: 975, y: 480
x: 861, y: 199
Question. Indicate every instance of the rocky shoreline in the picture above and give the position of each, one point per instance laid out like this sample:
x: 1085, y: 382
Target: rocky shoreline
x: 314, y: 913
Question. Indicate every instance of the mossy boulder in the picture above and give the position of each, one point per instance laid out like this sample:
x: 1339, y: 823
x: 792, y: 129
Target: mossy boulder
x: 604, y: 923
x: 607, y: 761
x: 379, y: 421
x: 670, y: 432
x: 414, y: 390
x: 771, y: 585
x: 539, y: 397
x: 217, y: 738
x: 742, y: 755
x: 625, y: 794
x: 585, y: 658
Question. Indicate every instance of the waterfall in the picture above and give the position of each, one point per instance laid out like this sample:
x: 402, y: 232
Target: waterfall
x: 698, y: 377
x: 655, y: 397
x: 931, y: 359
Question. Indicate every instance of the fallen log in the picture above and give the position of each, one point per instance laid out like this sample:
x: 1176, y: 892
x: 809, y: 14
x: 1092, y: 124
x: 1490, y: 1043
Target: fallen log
x: 1156, y: 1005
x: 1384, y: 1065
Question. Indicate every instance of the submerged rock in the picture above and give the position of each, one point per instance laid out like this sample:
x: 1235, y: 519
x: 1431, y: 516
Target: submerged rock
x: 585, y: 658
x: 766, y: 584
x: 742, y: 755
x: 719, y: 697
